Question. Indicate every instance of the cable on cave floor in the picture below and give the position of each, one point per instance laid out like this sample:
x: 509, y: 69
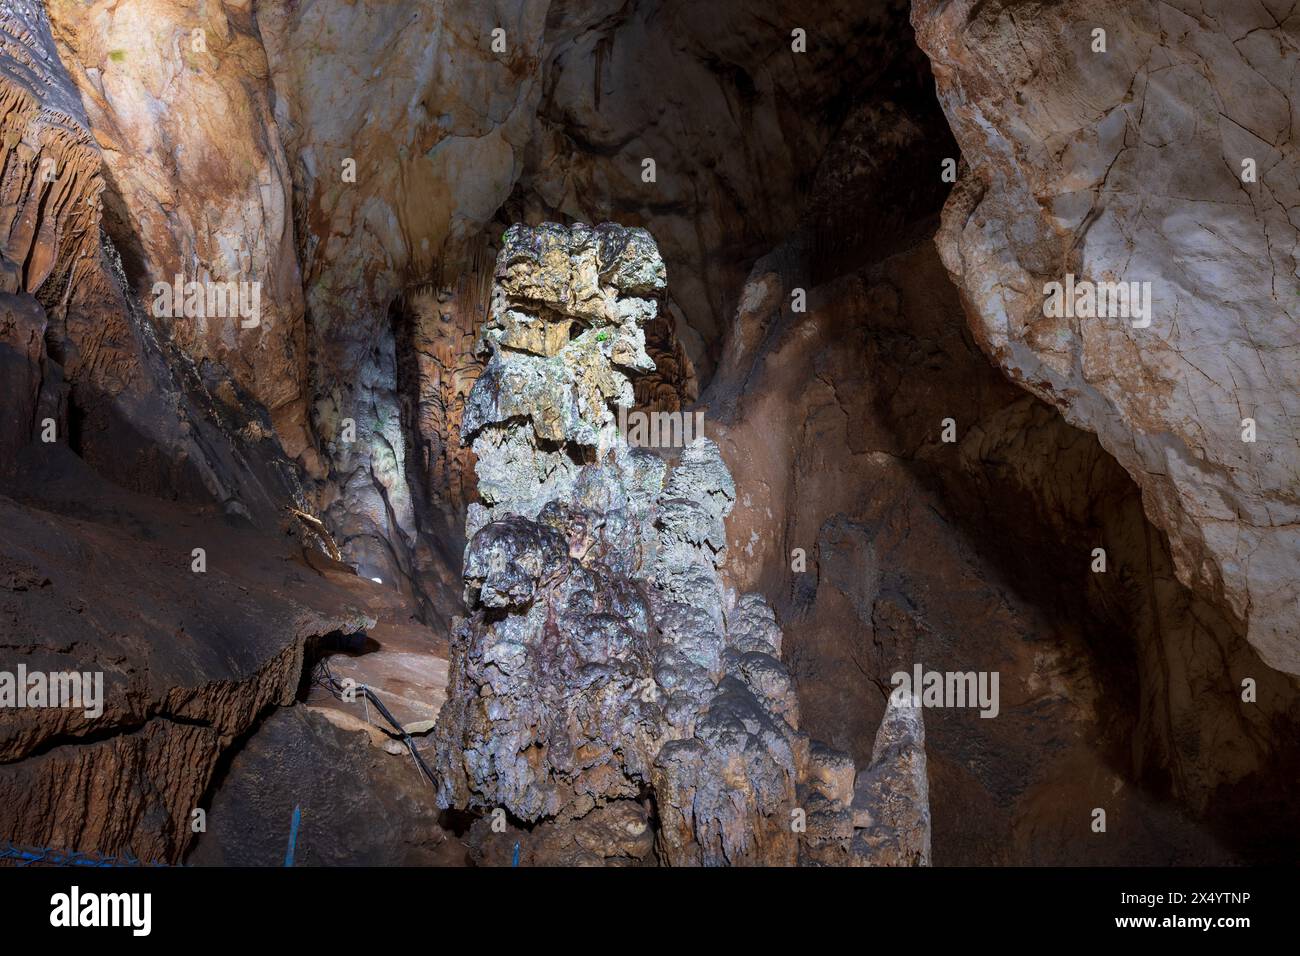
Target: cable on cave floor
x: 49, y: 856
x: 324, y: 677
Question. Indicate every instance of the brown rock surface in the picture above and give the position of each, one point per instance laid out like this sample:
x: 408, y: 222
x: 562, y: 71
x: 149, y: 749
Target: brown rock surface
x: 100, y: 580
x: 179, y: 99
x: 231, y: 158
x: 50, y: 182
x: 357, y: 806
x: 1120, y: 689
x: 23, y: 368
x: 1127, y: 165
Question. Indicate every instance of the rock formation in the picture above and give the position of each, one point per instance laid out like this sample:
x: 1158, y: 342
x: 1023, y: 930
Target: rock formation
x: 51, y: 177
x: 146, y: 499
x: 605, y: 669
x: 267, y: 143
x: 98, y: 580
x: 207, y: 201
x: 1151, y: 148
x: 373, y: 459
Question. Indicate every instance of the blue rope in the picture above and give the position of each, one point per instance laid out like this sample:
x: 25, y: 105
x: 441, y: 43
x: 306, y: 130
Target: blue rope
x: 293, y: 836
x: 49, y: 856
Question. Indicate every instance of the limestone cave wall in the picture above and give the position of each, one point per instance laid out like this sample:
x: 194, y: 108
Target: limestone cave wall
x: 849, y: 214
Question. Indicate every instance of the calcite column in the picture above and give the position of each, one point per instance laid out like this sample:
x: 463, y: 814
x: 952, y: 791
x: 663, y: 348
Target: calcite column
x: 607, y: 683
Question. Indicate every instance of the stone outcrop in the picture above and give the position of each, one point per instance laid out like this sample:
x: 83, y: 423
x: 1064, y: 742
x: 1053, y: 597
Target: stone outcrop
x: 50, y: 183
x: 24, y: 365
x: 1149, y: 151
x: 891, y: 799
x: 78, y: 352
x: 100, y: 581
x: 123, y: 447
x: 357, y: 805
x: 881, y: 817
x: 179, y: 100
x: 604, y: 663
x: 881, y: 546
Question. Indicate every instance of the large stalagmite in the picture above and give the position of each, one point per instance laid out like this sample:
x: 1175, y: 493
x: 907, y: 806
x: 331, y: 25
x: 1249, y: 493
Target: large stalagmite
x: 606, y: 680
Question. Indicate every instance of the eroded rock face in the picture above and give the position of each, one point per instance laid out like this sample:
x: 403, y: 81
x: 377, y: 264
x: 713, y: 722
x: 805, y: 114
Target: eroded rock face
x: 358, y: 806
x: 404, y: 130
x: 100, y: 581
x: 49, y: 185
x: 113, y: 385
x: 179, y: 101
x: 23, y: 367
x: 51, y: 180
x: 882, y: 546
x: 604, y: 665
x: 105, y: 414
x: 1169, y: 159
